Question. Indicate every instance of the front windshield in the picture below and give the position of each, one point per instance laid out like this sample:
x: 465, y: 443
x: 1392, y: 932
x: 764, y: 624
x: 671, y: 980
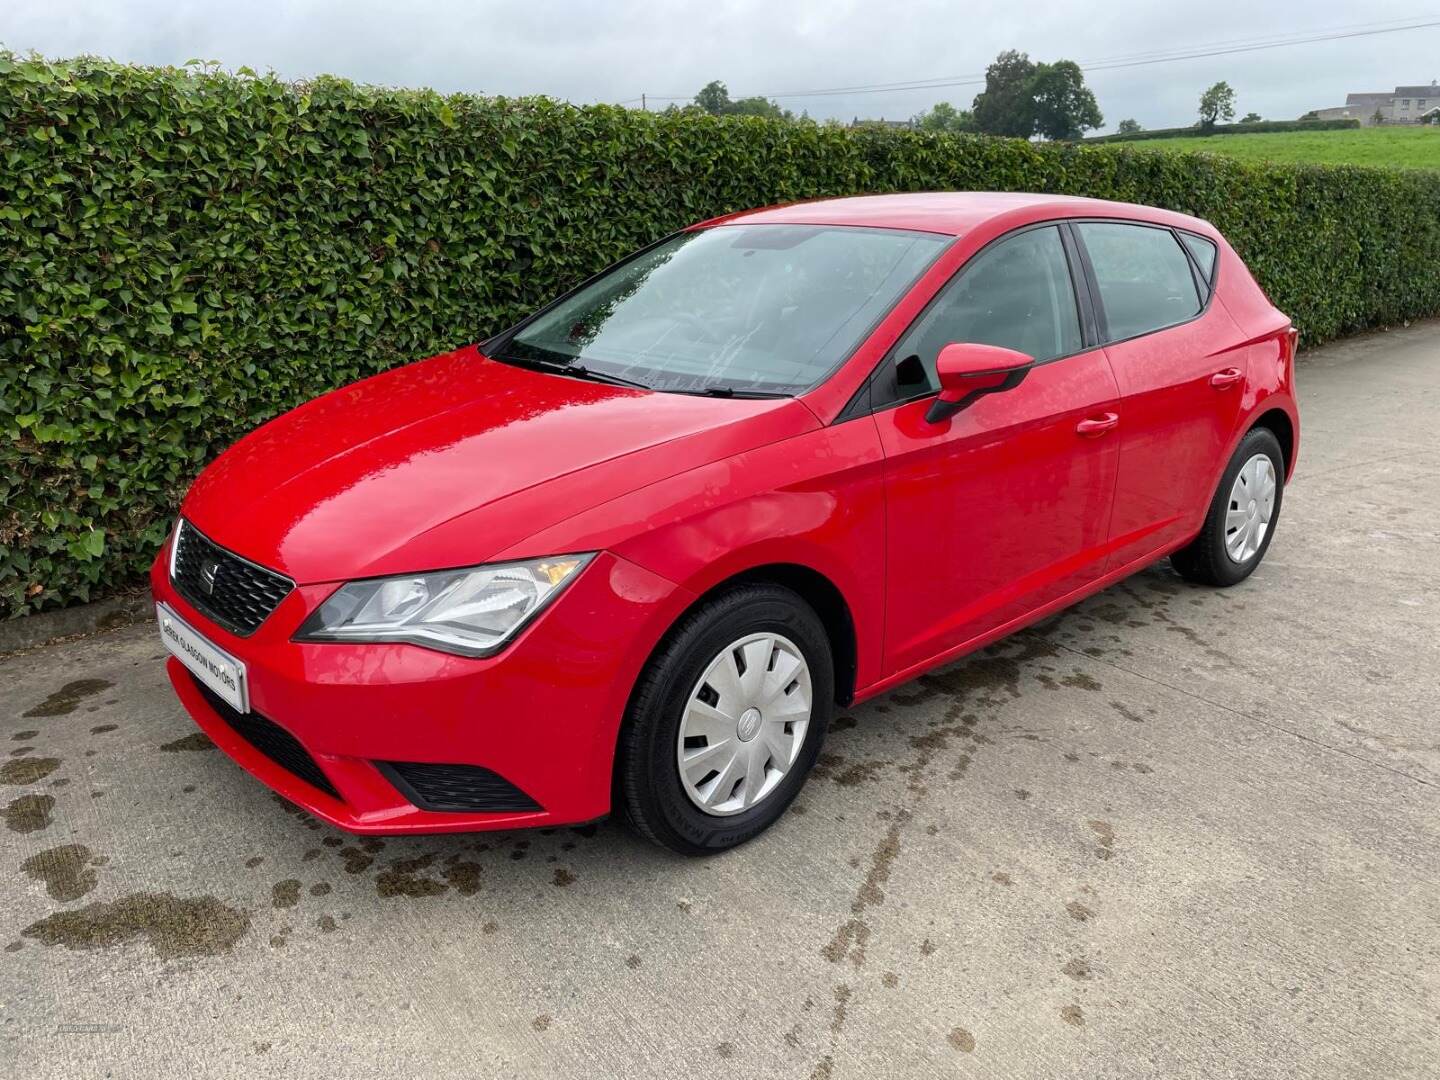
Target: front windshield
x: 738, y: 308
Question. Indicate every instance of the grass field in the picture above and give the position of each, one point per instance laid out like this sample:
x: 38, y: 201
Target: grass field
x: 1407, y: 147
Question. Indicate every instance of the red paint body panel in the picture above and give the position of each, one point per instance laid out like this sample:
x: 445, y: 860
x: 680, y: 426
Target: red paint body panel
x: 938, y: 537
x: 1176, y: 425
x: 427, y: 466
x: 999, y: 508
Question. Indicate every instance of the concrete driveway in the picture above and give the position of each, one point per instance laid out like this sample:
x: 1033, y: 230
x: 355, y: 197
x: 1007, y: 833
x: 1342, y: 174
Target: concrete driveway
x: 1174, y: 832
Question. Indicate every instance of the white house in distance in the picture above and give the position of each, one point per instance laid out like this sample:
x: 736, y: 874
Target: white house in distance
x: 1403, y: 105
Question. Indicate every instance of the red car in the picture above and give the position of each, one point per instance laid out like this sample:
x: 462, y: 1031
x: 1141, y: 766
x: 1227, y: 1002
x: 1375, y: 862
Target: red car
x: 634, y: 551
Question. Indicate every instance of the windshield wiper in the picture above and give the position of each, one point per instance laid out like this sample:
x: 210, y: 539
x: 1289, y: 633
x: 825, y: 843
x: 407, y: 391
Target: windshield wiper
x: 575, y: 371
x: 732, y: 392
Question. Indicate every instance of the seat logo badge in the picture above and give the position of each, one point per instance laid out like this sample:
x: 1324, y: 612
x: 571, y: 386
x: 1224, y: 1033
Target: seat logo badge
x: 207, y: 576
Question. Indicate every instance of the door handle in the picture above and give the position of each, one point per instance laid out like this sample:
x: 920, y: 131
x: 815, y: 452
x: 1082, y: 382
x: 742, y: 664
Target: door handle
x: 1228, y: 377
x: 1095, y: 426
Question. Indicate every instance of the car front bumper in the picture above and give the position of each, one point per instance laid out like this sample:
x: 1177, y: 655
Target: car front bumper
x: 542, y: 715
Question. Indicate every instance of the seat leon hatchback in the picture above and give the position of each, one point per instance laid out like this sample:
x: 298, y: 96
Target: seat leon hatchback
x: 631, y: 553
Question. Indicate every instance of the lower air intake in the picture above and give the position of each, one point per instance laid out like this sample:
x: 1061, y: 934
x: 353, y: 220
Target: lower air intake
x: 272, y: 740
x: 456, y: 788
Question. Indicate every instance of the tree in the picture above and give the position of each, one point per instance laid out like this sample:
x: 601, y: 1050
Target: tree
x: 1023, y: 99
x: 944, y: 117
x: 1007, y: 104
x: 1217, y: 103
x: 1063, y: 107
x: 1129, y: 127
x: 1251, y: 118
x: 714, y: 98
x: 758, y: 106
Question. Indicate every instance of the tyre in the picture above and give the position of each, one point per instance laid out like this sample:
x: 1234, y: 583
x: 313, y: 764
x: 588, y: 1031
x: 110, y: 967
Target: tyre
x: 726, y: 720
x: 1242, y: 516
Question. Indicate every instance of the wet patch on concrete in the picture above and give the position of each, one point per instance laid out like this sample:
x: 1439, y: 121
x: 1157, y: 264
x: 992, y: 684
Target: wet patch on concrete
x: 67, y: 871
x: 1081, y: 681
x: 1105, y: 833
x: 29, y: 813
x: 464, y: 876
x: 1073, y: 1015
x: 356, y: 860
x: 22, y: 736
x: 196, y: 740
x: 101, y: 729
x: 851, y: 775
x: 285, y: 894
x: 563, y: 877
x: 403, y: 878
x: 27, y: 770
x: 1078, y: 969
x: 1079, y: 912
x: 68, y: 697
x: 962, y: 1040
x: 174, y: 926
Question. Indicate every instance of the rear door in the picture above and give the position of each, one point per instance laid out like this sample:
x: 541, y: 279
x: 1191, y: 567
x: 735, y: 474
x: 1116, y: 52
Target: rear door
x: 1181, y: 386
x: 1003, y: 507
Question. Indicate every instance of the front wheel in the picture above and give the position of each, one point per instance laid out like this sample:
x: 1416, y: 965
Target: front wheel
x: 726, y: 720
x: 1242, y: 516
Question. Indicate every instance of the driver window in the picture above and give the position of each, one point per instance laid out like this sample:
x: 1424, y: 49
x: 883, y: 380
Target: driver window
x: 1016, y: 294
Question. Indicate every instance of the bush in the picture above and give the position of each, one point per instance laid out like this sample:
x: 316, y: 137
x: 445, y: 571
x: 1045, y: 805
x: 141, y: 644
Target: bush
x: 184, y: 254
x: 1251, y: 128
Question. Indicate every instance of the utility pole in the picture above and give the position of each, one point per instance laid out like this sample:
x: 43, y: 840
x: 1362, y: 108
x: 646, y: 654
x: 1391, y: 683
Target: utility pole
x: 643, y: 106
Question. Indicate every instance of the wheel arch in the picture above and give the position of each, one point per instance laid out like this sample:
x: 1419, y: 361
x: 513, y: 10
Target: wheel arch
x: 812, y: 586
x: 1278, y: 422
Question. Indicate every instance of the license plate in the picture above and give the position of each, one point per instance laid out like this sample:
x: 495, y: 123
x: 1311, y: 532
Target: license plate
x: 209, y: 663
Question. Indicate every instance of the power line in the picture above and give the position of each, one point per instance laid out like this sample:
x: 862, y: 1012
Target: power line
x: 1220, y: 48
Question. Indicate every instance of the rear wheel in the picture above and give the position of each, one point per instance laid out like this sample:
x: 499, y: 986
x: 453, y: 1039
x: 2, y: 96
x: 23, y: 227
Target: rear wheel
x: 1242, y: 516
x: 726, y: 721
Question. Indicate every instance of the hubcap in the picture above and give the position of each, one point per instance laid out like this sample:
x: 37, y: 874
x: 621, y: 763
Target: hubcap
x: 1252, y: 503
x: 744, y: 724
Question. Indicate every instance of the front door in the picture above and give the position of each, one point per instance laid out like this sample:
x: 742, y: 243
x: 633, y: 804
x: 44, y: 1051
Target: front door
x: 1005, y: 506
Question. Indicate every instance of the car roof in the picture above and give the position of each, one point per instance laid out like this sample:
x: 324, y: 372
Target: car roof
x: 953, y: 213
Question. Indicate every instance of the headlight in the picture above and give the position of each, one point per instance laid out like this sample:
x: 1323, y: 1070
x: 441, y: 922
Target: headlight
x: 471, y: 612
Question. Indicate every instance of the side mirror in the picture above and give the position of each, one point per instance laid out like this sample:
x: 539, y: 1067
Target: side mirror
x: 968, y: 371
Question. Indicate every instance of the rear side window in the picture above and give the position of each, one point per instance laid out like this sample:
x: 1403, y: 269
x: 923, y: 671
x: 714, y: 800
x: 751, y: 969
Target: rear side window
x: 1204, y: 252
x: 1016, y: 294
x: 1144, y: 278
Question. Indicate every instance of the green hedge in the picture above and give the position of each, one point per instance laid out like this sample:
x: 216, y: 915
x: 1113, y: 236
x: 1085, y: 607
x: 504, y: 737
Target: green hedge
x: 184, y: 254
x: 1252, y: 128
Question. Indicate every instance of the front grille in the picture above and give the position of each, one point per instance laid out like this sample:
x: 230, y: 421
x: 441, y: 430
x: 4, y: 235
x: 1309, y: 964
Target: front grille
x: 234, y: 592
x: 456, y: 788
x: 272, y: 740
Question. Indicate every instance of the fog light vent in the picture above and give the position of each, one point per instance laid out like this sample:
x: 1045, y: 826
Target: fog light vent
x: 456, y: 788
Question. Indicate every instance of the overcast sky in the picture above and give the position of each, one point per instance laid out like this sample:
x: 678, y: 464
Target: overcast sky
x: 618, y: 49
